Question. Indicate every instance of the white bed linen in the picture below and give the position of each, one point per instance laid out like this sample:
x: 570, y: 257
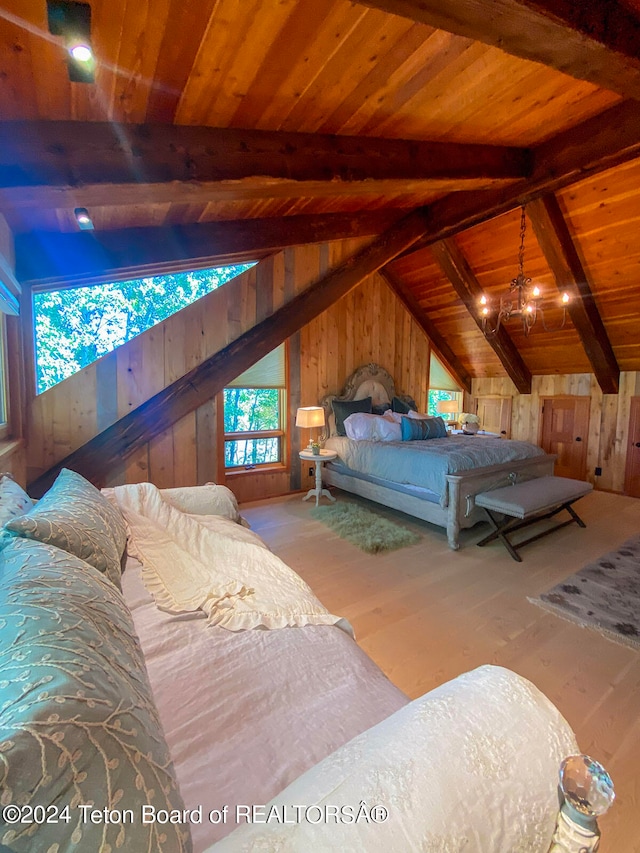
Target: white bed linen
x: 427, y: 463
x: 216, y: 566
x: 246, y: 713
x: 471, y: 766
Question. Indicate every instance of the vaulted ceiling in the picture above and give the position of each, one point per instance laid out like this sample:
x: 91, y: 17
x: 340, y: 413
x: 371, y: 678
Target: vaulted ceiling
x: 218, y: 130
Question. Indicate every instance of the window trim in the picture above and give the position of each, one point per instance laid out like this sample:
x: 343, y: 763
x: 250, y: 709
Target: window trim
x: 280, y: 433
x: 5, y: 396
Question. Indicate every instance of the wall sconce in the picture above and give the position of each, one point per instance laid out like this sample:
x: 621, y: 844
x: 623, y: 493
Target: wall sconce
x: 72, y: 21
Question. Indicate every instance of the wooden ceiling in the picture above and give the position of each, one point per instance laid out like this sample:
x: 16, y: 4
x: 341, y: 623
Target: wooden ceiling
x: 217, y: 130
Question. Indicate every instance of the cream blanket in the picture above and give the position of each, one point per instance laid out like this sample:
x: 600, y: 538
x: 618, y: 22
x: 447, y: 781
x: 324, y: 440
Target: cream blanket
x: 212, y: 564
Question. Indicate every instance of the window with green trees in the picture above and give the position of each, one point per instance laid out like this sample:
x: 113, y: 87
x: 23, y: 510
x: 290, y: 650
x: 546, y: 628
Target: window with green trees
x: 75, y: 326
x: 254, y: 413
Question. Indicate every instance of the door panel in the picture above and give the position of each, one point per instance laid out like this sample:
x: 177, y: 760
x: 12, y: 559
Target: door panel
x: 495, y: 414
x: 565, y: 432
x: 632, y: 469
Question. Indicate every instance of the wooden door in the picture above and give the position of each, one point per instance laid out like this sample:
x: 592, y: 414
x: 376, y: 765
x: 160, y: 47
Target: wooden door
x: 495, y: 414
x: 632, y: 469
x: 565, y: 431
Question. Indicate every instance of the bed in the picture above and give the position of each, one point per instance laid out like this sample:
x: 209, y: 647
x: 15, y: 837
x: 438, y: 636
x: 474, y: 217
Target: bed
x: 434, y: 480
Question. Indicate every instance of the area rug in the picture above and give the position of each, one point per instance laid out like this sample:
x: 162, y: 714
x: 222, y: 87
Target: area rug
x: 373, y: 533
x: 604, y: 595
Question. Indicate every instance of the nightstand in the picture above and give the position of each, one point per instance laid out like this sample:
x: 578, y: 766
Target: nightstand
x: 325, y: 456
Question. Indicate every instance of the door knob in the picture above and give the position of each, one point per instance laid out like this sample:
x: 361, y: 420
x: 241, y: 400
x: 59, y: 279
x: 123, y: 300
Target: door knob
x: 578, y: 438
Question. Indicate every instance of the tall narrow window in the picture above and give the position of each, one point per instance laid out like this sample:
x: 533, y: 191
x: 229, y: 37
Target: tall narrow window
x: 254, y: 414
x: 442, y: 386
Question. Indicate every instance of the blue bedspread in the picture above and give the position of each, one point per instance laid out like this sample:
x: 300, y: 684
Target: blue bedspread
x: 426, y: 463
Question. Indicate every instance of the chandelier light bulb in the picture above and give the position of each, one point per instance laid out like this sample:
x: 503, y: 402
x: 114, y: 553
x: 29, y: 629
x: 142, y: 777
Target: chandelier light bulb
x: 483, y: 300
x: 485, y: 312
x: 536, y: 291
x: 565, y: 298
x: 529, y: 308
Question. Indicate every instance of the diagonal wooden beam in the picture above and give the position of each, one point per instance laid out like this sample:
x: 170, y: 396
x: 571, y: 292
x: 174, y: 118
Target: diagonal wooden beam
x: 598, y: 42
x: 95, y: 458
x: 455, y: 267
x: 560, y: 251
x: 48, y: 257
x: 440, y: 346
x: 90, y: 164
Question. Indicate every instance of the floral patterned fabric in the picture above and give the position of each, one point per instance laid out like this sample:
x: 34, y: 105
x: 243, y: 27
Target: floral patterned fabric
x: 74, y: 516
x: 78, y: 724
x: 14, y: 501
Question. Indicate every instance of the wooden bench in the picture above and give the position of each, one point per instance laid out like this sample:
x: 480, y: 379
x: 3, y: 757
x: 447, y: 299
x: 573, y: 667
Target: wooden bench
x: 514, y: 507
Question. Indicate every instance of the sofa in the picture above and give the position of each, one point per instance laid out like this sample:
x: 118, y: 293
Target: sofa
x: 136, y: 715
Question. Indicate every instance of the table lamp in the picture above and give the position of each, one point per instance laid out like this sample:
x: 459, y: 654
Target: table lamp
x: 309, y: 417
x: 448, y: 407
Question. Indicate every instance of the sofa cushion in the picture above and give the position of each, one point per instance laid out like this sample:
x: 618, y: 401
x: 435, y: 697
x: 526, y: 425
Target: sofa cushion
x: 74, y: 516
x: 14, y: 501
x: 78, y: 724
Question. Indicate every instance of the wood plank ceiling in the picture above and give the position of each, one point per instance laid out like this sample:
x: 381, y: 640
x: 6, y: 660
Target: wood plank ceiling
x: 355, y: 77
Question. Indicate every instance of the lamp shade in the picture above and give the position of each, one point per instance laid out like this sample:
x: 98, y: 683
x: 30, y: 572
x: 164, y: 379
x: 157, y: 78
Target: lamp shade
x: 310, y: 416
x: 447, y: 407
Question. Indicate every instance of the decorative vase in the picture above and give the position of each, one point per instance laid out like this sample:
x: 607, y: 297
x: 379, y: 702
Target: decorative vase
x: 315, y: 448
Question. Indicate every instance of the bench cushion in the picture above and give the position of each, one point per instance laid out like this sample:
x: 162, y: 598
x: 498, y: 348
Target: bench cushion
x: 532, y: 496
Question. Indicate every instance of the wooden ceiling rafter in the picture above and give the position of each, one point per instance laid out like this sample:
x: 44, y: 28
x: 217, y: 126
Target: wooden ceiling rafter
x: 96, y: 458
x: 88, y: 257
x: 438, y: 343
x: 599, y: 43
x: 456, y: 268
x: 92, y: 164
x: 558, y: 247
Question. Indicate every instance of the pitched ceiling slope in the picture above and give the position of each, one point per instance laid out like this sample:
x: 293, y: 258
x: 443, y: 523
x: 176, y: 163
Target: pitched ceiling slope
x: 599, y: 42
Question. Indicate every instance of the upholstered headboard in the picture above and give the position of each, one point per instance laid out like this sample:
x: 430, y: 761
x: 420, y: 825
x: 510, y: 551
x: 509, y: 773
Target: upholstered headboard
x: 370, y: 380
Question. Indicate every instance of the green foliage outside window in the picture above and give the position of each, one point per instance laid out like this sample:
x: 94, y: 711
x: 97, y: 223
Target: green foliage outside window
x: 434, y: 397
x: 252, y: 410
x: 75, y: 326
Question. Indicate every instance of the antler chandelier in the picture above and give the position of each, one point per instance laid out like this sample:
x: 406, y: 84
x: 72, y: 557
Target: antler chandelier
x: 522, y: 301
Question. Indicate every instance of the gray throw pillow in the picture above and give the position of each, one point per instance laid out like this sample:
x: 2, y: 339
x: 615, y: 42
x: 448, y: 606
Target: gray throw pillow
x: 74, y: 516
x: 343, y: 408
x: 78, y: 724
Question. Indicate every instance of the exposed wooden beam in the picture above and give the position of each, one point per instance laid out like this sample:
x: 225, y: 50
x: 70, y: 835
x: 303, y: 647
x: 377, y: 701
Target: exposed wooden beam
x: 560, y: 251
x: 440, y: 346
x: 598, y: 42
x: 87, y: 164
x: 96, y: 458
x: 599, y: 143
x: 89, y: 256
x: 455, y: 267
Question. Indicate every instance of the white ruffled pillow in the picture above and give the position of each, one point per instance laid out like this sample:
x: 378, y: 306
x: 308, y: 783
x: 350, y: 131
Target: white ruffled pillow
x: 363, y: 427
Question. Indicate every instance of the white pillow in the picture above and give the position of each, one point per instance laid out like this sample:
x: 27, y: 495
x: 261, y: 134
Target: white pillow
x: 417, y: 416
x: 396, y: 417
x: 209, y: 499
x: 363, y: 427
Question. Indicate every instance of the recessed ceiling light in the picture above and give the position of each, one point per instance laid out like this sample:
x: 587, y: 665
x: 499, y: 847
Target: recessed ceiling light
x: 81, y: 52
x: 83, y: 219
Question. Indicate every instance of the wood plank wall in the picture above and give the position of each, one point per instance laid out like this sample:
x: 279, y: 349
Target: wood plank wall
x: 370, y: 324
x: 608, y: 417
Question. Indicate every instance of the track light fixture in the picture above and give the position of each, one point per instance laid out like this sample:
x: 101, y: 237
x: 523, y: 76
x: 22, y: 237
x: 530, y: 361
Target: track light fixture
x: 72, y: 21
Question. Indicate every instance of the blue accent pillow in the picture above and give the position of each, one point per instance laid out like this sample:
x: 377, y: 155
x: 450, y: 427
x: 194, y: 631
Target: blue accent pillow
x: 343, y: 408
x: 422, y: 429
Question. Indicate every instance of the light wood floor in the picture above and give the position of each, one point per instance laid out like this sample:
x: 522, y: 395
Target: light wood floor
x: 426, y: 614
